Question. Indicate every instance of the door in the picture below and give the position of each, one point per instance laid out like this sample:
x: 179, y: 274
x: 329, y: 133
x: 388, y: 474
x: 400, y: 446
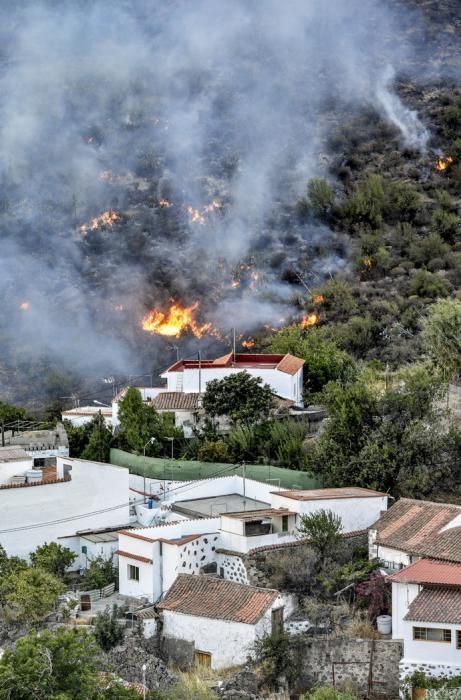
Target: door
x: 277, y: 621
x: 203, y: 659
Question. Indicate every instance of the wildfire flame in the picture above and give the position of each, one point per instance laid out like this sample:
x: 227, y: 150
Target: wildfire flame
x: 443, y: 162
x: 107, y: 218
x: 249, y: 343
x: 175, y: 321
x: 234, y: 284
x: 318, y: 298
x: 195, y: 217
x: 164, y: 204
x: 367, y: 263
x: 24, y: 306
x: 309, y: 320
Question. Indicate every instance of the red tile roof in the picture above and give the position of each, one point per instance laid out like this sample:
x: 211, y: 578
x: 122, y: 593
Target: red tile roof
x: 327, y: 494
x: 176, y: 401
x: 414, y: 526
x: 181, y: 540
x: 129, y: 533
x: 216, y: 598
x: 284, y: 363
x: 436, y: 605
x: 430, y: 572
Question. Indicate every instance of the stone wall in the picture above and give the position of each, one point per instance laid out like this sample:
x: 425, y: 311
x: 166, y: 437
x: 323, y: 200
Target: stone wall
x: 343, y: 661
x: 434, y: 670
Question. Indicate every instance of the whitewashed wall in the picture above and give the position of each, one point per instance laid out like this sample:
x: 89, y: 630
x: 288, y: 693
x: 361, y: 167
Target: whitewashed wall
x: 355, y: 513
x: 286, y: 385
x: 10, y: 469
x: 61, y: 509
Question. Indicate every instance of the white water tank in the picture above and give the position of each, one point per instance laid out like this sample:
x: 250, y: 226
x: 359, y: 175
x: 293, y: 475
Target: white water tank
x: 384, y: 624
x: 34, y: 475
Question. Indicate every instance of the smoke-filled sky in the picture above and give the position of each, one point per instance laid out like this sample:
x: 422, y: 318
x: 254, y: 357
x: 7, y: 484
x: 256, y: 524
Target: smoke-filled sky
x: 146, y: 108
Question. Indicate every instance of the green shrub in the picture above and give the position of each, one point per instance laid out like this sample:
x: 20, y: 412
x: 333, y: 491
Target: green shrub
x: 214, y: 451
x: 428, y: 284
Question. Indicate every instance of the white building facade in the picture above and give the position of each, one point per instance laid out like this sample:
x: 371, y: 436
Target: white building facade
x: 75, y: 495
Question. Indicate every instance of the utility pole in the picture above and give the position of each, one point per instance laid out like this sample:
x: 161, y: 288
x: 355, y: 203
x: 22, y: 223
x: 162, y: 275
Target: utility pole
x: 233, y: 346
x: 244, y: 484
x: 199, y: 372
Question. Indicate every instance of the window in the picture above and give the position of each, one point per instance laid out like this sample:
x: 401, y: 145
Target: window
x: 458, y: 639
x: 284, y: 523
x: 133, y: 572
x: 430, y: 634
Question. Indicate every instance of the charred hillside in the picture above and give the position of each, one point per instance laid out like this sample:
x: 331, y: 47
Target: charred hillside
x: 164, y: 159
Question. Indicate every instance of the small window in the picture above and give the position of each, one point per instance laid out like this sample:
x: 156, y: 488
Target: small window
x: 458, y: 639
x: 221, y: 571
x: 133, y: 572
x: 284, y: 523
x: 431, y: 634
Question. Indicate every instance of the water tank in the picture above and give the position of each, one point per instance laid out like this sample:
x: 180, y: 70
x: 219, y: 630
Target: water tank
x: 384, y: 624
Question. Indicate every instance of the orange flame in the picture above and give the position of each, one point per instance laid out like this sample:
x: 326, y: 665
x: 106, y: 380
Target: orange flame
x: 249, y: 343
x: 309, y: 320
x: 175, y: 321
x: 212, y: 207
x: 24, y: 306
x: 367, y: 263
x: 443, y: 162
x: 164, y: 204
x: 234, y: 284
x: 195, y: 217
x: 318, y: 298
x: 107, y: 218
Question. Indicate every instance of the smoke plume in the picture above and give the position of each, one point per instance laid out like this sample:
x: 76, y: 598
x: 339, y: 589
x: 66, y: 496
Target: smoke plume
x: 197, y: 124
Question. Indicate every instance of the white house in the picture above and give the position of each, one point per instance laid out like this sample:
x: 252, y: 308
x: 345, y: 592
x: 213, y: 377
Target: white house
x: 412, y: 529
x: 85, y: 414
x: 215, y: 623
x: 91, y: 544
x: 211, y: 536
x: 426, y: 615
x: 357, y: 507
x: 283, y: 373
x: 42, y: 505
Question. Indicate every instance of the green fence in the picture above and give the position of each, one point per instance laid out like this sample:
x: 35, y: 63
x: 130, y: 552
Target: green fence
x: 180, y: 470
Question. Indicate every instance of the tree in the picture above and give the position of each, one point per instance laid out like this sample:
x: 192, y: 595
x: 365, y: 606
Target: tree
x: 402, y: 201
x: 108, y: 631
x: 31, y: 594
x: 323, y: 529
x: 442, y: 335
x: 138, y: 422
x: 324, y: 361
x: 367, y: 202
x: 240, y: 397
x: 10, y: 413
x: 53, y: 558
x: 50, y: 665
x: 100, y: 572
x: 100, y: 437
x: 213, y: 451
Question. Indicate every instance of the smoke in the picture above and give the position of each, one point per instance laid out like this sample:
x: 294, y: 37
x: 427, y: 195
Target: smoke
x: 122, y: 106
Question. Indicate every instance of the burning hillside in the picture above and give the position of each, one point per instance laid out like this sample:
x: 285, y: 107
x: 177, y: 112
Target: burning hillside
x: 178, y: 148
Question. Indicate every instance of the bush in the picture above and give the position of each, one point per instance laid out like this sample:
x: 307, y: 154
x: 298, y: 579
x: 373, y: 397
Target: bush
x: 402, y: 201
x: 367, y: 202
x: 320, y: 197
x: 108, y: 631
x: 428, y: 284
x: 214, y: 451
x: 445, y: 223
x: 99, y: 573
x: 275, y: 659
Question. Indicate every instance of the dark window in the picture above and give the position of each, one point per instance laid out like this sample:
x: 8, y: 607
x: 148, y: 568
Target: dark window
x: 458, y: 639
x: 284, y: 523
x: 133, y: 572
x: 431, y: 634
x: 277, y: 620
x: 221, y: 571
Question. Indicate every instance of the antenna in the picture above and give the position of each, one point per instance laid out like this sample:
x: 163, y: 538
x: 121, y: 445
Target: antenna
x: 233, y: 345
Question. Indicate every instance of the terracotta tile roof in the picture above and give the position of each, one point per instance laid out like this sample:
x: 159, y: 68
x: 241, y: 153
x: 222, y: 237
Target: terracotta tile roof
x: 430, y: 572
x: 446, y: 545
x: 327, y: 494
x: 176, y: 400
x: 411, y: 525
x: 283, y: 545
x: 436, y: 605
x: 290, y: 364
x: 216, y: 598
x: 136, y: 557
x: 137, y: 536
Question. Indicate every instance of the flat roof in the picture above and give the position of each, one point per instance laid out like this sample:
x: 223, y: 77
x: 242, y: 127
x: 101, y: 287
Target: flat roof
x: 88, y: 411
x: 13, y: 454
x: 103, y: 537
x: 328, y: 494
x: 217, y: 505
x: 248, y: 515
x: 283, y: 362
